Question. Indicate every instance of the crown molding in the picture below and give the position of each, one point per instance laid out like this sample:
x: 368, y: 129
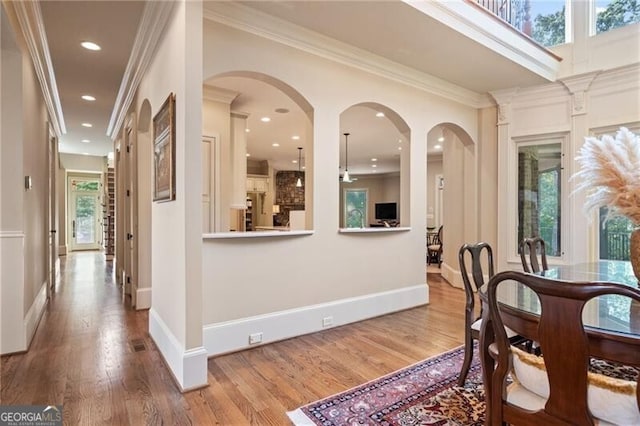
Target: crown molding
x: 267, y: 26
x: 28, y: 17
x: 218, y: 94
x: 154, y: 19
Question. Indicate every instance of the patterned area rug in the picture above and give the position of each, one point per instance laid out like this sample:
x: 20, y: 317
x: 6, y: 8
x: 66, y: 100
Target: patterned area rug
x: 422, y: 394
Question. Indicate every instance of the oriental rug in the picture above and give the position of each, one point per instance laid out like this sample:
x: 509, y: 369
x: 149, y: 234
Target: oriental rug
x: 425, y: 393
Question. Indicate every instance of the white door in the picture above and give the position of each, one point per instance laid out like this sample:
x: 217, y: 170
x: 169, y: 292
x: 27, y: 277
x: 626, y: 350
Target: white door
x: 85, y: 214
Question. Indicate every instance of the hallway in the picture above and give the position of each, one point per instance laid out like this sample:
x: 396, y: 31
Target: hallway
x: 84, y: 356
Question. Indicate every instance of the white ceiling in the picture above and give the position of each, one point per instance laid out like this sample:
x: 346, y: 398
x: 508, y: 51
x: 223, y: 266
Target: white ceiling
x: 113, y: 26
x: 390, y: 29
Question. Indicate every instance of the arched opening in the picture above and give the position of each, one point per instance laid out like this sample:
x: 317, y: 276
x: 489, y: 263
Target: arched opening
x: 257, y: 154
x: 374, y: 167
x: 451, y: 191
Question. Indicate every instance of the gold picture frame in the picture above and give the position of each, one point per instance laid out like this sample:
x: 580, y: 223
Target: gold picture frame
x: 164, y: 151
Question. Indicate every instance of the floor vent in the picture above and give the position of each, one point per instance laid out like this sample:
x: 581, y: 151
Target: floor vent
x: 138, y: 345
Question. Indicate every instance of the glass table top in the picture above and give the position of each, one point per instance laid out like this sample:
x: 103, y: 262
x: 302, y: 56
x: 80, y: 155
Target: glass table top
x: 611, y: 313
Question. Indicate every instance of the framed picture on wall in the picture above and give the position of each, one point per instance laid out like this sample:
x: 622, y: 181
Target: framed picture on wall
x: 164, y: 151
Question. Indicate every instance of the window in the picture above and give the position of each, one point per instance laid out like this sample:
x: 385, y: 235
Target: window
x: 610, y: 14
x: 355, y: 208
x: 548, y: 22
x: 539, y: 194
x: 614, y: 236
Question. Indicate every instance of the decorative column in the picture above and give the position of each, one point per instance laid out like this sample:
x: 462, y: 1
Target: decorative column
x: 581, y: 247
x: 239, y: 160
x: 503, y: 99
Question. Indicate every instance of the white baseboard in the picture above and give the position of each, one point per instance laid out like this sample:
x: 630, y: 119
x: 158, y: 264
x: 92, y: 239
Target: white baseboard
x: 143, y: 298
x: 32, y: 319
x: 233, y: 335
x: 188, y: 367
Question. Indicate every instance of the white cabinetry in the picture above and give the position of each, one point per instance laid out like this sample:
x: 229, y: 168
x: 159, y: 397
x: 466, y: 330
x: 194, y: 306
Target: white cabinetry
x: 257, y: 184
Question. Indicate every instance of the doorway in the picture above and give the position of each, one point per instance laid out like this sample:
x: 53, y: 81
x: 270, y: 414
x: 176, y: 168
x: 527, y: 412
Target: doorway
x: 85, y: 213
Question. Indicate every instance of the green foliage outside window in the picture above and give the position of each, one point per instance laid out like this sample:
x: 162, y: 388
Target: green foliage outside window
x: 549, y: 30
x: 617, y: 14
x: 355, y: 208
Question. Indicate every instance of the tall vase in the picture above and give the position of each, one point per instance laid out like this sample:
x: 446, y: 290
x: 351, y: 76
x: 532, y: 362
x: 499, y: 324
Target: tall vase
x: 634, y: 252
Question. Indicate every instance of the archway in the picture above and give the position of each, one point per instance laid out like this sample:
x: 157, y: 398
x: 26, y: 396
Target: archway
x: 374, y: 167
x: 452, y: 193
x: 268, y: 179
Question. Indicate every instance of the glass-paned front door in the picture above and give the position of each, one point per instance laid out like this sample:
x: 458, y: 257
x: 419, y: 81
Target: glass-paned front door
x: 85, y: 214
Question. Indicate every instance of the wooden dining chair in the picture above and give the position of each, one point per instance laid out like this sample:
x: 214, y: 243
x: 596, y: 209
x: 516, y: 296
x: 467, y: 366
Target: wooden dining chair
x: 434, y: 249
x: 534, y: 247
x: 473, y: 319
x: 557, y: 389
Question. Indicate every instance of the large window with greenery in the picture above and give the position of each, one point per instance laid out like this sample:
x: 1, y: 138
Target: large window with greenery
x: 614, y: 237
x: 548, y: 22
x: 355, y: 208
x: 539, y: 194
x: 610, y: 14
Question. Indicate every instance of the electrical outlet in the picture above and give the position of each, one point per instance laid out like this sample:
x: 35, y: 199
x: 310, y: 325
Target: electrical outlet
x: 327, y: 321
x: 255, y: 338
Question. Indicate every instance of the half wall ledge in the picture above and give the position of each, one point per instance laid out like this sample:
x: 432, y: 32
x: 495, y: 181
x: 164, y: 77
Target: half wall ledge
x: 254, y: 234
x: 371, y: 230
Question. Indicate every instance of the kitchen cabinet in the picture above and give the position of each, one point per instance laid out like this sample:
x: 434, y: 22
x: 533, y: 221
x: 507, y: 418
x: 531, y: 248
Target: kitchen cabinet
x: 257, y: 184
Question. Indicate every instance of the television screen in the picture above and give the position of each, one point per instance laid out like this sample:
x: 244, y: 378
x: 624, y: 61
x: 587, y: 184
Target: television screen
x: 386, y: 211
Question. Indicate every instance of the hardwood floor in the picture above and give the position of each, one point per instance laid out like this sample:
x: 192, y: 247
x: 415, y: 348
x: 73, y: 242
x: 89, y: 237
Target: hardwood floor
x: 83, y: 356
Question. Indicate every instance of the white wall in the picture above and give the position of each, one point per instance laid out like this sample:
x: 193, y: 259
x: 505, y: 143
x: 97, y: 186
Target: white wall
x: 175, y: 317
x: 82, y: 163
x: 434, y: 168
x: 572, y: 109
x: 381, y: 189
x: 24, y: 228
x: 327, y: 267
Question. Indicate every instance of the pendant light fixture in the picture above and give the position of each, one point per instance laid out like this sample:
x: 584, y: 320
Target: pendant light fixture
x: 345, y: 177
x: 299, y: 181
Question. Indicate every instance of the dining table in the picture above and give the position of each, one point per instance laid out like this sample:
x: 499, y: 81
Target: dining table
x: 609, y: 320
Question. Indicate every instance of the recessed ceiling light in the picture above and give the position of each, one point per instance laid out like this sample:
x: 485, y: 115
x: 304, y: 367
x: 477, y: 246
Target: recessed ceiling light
x: 374, y: 159
x: 86, y: 140
x: 374, y: 165
x: 437, y: 147
x: 294, y: 161
x: 248, y: 155
x: 85, y: 153
x: 399, y: 148
x: 247, y: 130
x: 265, y: 119
x: 275, y: 144
x: 380, y: 114
x: 399, y: 140
x: 87, y: 125
x: 304, y: 167
x: 295, y: 137
x: 88, y: 98
x: 441, y: 139
x: 89, y: 45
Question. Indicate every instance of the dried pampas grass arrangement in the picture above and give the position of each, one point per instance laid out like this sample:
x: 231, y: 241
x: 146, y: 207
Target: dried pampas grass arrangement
x: 610, y: 173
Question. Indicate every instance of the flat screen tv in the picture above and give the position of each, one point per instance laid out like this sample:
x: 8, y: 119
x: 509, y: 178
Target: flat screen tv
x: 386, y: 211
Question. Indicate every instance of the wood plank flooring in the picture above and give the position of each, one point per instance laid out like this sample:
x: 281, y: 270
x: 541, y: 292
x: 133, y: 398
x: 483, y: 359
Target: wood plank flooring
x: 83, y: 357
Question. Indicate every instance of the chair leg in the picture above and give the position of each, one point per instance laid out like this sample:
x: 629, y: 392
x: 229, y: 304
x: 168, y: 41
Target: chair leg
x: 468, y: 356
